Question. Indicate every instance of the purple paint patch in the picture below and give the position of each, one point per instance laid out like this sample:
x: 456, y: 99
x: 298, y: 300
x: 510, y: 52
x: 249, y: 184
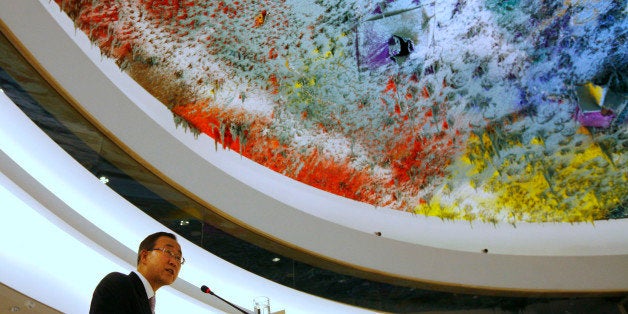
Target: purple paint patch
x: 378, y: 56
x: 598, y: 119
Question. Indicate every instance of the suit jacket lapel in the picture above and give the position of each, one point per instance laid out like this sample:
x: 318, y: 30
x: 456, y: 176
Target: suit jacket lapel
x: 140, y: 292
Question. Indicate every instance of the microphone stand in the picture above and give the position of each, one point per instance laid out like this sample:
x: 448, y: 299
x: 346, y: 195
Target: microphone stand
x: 232, y: 305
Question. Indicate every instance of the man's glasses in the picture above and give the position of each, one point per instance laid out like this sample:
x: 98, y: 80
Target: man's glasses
x: 178, y: 258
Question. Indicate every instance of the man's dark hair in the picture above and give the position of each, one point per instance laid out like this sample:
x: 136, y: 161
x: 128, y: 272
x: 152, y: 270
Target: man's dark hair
x: 149, y: 242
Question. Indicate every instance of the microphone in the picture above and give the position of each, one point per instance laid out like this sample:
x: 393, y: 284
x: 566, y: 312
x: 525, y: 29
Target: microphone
x: 206, y: 289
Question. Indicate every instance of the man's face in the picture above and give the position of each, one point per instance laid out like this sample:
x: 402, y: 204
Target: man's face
x: 158, y: 266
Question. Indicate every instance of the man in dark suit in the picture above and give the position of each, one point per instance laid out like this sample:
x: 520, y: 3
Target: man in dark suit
x: 159, y: 260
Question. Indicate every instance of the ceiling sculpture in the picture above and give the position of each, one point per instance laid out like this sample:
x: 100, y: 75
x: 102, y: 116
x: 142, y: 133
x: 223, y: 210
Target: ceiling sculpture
x: 466, y: 110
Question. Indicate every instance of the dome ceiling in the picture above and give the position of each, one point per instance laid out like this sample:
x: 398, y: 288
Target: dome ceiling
x: 531, y: 146
x: 465, y: 110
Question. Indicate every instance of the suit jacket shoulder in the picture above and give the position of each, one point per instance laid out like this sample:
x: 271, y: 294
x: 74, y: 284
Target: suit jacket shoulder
x: 120, y: 293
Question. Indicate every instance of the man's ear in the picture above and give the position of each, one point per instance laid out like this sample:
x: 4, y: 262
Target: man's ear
x: 143, y: 255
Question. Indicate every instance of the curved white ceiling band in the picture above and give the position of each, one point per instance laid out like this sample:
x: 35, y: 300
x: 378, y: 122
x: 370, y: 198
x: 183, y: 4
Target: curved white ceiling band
x: 68, y: 230
x: 536, y: 257
x: 56, y: 254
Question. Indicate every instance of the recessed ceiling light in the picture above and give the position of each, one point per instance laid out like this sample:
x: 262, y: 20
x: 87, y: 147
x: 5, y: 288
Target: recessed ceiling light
x: 184, y: 222
x: 276, y: 259
x: 103, y: 179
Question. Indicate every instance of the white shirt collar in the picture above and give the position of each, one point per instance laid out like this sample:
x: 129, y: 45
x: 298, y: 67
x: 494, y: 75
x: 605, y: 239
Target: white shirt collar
x: 149, y: 290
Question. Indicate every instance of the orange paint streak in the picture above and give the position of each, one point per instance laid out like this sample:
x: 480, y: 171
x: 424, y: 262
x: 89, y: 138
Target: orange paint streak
x: 335, y: 176
x: 318, y: 170
x: 425, y: 93
x: 272, y: 53
x: 260, y: 19
x: 122, y: 51
x: 417, y: 160
x: 391, y: 86
x: 274, y: 83
x: 95, y: 20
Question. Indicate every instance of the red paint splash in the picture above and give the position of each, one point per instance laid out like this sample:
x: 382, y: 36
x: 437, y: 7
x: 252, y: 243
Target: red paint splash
x: 415, y: 159
x: 313, y: 168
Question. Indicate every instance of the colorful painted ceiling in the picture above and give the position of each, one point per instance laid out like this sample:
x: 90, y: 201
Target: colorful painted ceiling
x: 466, y: 110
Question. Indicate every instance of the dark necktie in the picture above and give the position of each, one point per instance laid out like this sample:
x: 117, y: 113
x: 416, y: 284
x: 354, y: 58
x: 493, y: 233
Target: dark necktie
x: 151, y: 300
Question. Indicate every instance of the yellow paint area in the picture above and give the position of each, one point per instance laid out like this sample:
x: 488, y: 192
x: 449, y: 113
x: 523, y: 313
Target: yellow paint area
x: 596, y: 91
x: 580, y: 184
